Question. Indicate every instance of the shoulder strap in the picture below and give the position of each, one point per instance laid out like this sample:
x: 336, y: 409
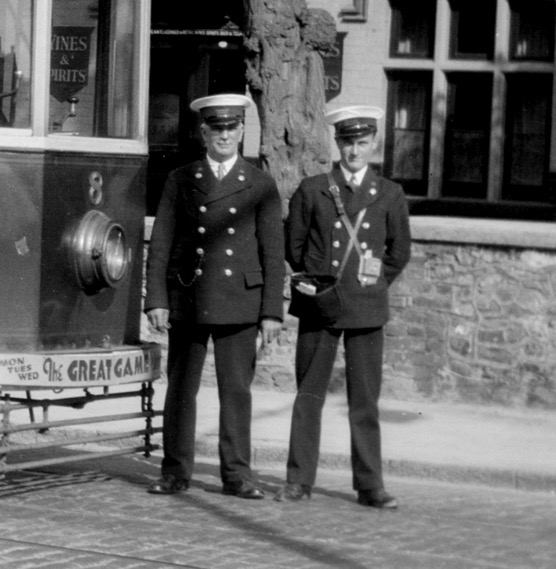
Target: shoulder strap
x: 335, y: 191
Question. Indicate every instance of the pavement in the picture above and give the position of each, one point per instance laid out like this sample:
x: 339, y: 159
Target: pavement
x: 475, y: 486
x: 494, y: 446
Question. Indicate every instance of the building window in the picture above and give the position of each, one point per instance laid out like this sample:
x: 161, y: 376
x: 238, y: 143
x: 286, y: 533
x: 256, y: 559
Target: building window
x: 409, y: 96
x: 467, y: 135
x: 472, y: 29
x: 532, y: 30
x: 16, y: 21
x: 528, y: 134
x: 412, y: 28
x: 469, y: 117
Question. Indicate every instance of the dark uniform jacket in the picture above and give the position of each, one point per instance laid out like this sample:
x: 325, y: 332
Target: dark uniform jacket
x: 216, y: 254
x: 316, y: 240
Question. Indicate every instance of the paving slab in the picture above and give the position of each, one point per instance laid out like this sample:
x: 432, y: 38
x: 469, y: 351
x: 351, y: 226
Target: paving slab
x: 497, y: 446
x: 92, y: 516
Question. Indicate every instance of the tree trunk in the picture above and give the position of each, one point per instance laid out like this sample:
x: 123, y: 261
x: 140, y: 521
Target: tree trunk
x: 283, y: 39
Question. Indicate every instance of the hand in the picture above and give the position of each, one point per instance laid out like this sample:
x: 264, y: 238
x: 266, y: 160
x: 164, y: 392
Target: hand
x: 158, y: 319
x: 270, y: 330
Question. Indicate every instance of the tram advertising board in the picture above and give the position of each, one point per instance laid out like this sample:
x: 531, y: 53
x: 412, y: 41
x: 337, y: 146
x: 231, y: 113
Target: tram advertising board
x: 58, y: 370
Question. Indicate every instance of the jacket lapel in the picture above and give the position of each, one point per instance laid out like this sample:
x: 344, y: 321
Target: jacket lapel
x: 338, y: 180
x: 367, y: 193
x: 201, y: 178
x: 208, y: 189
x: 236, y: 180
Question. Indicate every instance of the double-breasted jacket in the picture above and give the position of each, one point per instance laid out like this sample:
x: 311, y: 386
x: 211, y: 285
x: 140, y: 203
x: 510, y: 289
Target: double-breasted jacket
x: 216, y: 254
x: 316, y: 239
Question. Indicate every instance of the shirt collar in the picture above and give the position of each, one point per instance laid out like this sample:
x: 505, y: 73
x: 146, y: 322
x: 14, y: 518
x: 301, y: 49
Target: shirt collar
x: 228, y: 164
x: 359, y: 175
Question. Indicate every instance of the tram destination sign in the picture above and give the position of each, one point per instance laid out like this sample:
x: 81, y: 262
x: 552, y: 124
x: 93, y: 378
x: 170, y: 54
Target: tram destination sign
x: 79, y: 369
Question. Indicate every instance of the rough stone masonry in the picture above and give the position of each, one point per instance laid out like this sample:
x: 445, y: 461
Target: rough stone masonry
x: 469, y: 324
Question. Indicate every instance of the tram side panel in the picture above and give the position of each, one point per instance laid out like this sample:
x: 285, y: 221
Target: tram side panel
x: 92, y: 251
x: 21, y: 176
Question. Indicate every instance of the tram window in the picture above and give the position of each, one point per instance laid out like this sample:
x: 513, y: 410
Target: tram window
x: 93, y: 73
x: 15, y: 63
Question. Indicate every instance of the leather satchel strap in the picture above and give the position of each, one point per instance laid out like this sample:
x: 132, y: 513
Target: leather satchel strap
x: 351, y: 243
x: 352, y: 231
x: 335, y: 191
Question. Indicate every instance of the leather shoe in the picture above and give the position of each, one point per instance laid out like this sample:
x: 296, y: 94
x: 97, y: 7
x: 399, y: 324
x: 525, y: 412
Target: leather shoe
x: 168, y: 484
x: 377, y: 498
x: 243, y: 489
x: 293, y: 492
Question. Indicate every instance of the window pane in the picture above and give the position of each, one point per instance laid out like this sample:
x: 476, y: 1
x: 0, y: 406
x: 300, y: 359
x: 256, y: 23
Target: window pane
x: 467, y: 135
x: 472, y: 29
x: 408, y: 130
x: 93, y: 71
x: 527, y: 135
x: 532, y: 30
x: 15, y: 63
x: 412, y: 28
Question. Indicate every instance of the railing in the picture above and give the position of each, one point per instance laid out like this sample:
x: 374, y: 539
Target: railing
x: 9, y: 404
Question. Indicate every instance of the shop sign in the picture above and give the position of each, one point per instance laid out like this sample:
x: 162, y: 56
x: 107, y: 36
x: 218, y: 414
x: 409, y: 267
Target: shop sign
x: 70, y: 51
x: 64, y: 370
x: 333, y: 63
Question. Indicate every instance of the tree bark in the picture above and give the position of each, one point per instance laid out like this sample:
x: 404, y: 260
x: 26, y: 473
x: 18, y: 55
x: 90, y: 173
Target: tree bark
x: 284, y: 40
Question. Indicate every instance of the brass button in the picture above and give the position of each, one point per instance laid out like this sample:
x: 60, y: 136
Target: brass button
x: 200, y: 251
x: 201, y: 229
x: 366, y: 225
x: 335, y: 263
x: 233, y: 210
x: 364, y: 245
x: 202, y: 209
x: 231, y: 230
x: 336, y: 244
x: 229, y: 252
x: 338, y: 225
x: 198, y: 272
x: 228, y: 272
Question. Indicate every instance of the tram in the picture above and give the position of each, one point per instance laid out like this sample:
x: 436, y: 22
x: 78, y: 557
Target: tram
x: 73, y: 156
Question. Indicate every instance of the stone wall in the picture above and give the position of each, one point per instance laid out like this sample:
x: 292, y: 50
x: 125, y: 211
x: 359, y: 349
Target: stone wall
x: 470, y: 323
x: 474, y: 324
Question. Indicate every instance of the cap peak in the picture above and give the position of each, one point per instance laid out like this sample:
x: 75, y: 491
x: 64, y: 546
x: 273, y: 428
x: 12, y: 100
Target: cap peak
x: 354, y: 120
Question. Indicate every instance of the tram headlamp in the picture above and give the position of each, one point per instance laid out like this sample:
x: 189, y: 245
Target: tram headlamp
x: 97, y: 251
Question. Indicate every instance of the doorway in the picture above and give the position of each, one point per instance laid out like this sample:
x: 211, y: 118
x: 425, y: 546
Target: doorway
x: 191, y: 57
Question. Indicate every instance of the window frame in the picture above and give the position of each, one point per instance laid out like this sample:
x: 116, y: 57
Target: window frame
x: 455, y: 53
x: 414, y: 186
x: 515, y: 22
x: 396, y: 29
x: 38, y: 136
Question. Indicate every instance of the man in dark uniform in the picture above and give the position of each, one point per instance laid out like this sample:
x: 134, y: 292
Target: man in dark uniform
x: 316, y: 240
x: 215, y: 269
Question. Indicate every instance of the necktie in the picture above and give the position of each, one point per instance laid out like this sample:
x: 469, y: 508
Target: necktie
x: 353, y: 183
x: 221, y: 171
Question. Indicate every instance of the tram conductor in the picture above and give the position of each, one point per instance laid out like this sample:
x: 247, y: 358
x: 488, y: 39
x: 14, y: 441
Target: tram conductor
x: 215, y: 270
x: 365, y: 249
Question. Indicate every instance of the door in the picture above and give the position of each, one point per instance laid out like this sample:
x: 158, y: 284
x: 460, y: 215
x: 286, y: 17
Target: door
x: 187, y: 62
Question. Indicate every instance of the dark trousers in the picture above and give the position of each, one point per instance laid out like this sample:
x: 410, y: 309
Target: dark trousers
x: 234, y: 355
x: 316, y: 352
